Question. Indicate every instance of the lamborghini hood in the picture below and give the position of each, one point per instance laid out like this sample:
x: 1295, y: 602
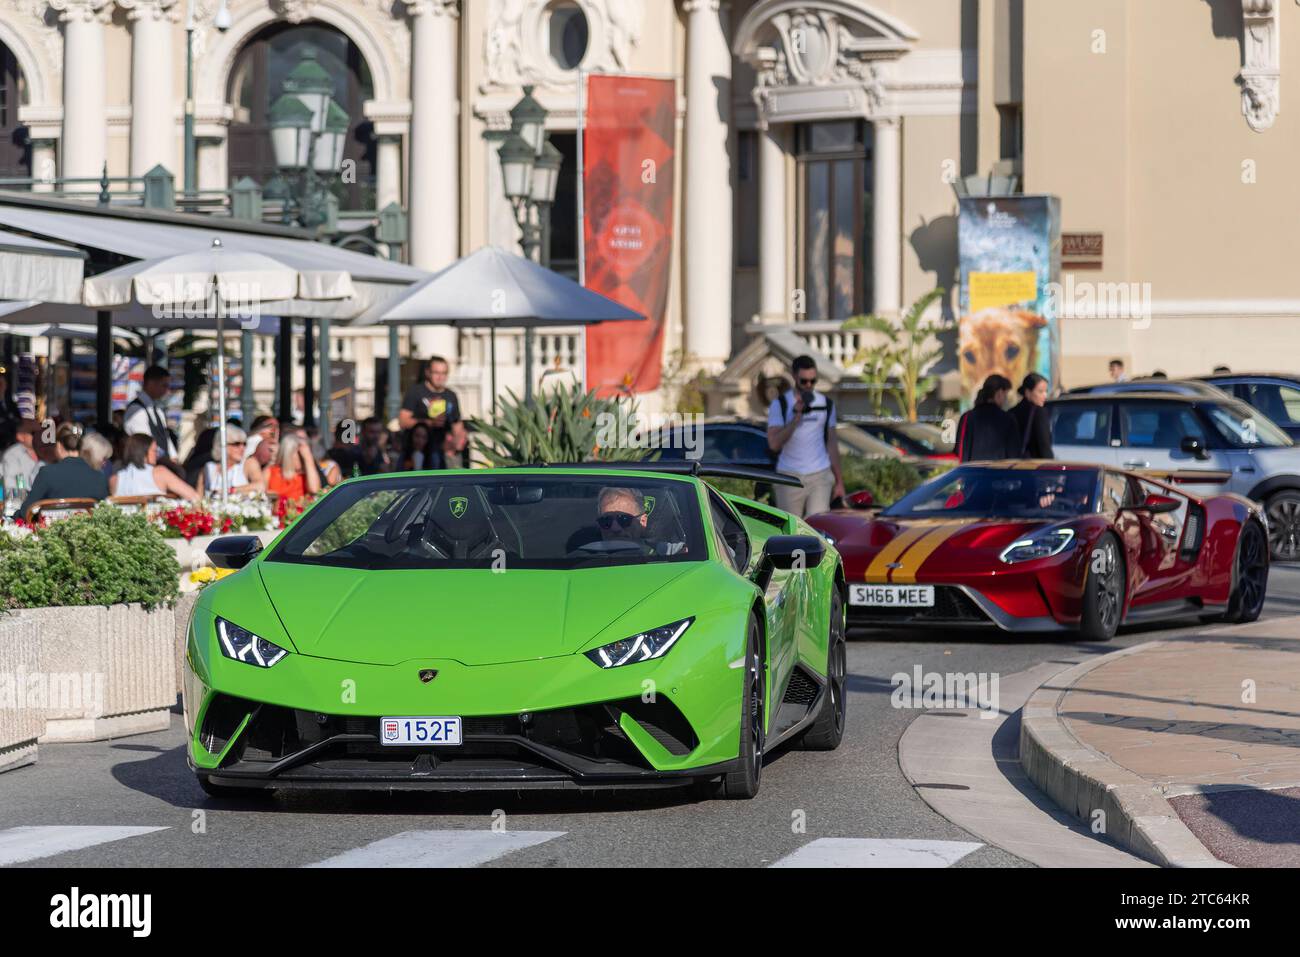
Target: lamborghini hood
x: 473, y: 616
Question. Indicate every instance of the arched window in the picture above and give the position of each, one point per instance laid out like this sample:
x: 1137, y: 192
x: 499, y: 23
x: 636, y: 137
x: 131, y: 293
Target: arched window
x: 15, y: 148
x: 258, y: 79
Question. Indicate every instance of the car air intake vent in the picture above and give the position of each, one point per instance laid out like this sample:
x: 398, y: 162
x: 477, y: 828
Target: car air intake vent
x: 661, y: 719
x: 1193, y: 533
x: 802, y: 689
x: 221, y: 720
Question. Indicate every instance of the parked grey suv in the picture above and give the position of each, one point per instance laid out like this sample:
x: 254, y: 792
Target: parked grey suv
x: 1163, y: 430
x: 1277, y: 395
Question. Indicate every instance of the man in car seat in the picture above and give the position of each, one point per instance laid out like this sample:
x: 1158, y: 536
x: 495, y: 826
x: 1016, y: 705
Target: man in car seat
x: 621, y: 516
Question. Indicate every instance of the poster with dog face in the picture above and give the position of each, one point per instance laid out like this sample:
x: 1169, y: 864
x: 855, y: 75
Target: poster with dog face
x: 1010, y: 253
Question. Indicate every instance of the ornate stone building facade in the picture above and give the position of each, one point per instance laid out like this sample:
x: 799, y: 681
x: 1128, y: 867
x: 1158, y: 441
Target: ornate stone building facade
x: 819, y: 142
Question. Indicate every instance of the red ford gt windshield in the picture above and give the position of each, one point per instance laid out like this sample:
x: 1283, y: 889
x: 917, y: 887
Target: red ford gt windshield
x: 973, y: 491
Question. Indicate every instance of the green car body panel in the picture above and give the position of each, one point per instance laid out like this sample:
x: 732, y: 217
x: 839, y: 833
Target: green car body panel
x: 513, y: 643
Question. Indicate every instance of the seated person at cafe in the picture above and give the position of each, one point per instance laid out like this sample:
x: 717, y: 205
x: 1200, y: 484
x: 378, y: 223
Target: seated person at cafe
x: 142, y: 474
x: 237, y: 481
x: 294, y: 475
x: 76, y: 476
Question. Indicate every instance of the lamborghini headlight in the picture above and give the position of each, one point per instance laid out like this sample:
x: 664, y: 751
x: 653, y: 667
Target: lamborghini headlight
x: 1042, y: 544
x: 643, y: 647
x: 240, y: 644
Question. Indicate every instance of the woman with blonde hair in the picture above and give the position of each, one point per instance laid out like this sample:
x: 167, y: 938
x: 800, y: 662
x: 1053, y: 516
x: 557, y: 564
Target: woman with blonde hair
x: 294, y: 475
x: 237, y: 480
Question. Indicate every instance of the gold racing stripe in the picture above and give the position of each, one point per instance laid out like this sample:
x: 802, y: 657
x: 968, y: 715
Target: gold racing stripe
x: 915, y: 556
x: 878, y: 571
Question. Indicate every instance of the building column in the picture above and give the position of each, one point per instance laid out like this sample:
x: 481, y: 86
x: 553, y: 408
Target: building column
x: 434, y: 190
x: 887, y: 203
x: 153, y: 101
x: 773, y: 241
x: 388, y: 172
x: 85, y: 126
x: 707, y: 185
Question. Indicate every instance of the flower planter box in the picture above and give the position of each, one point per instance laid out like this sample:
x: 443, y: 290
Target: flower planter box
x: 111, y: 671
x: 20, y: 723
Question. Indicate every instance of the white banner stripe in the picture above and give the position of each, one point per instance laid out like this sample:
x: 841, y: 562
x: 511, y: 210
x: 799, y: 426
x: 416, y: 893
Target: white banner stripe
x: 439, y: 849
x: 19, y: 844
x: 866, y: 852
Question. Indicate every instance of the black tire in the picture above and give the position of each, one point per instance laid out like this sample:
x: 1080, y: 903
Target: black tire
x: 1250, y: 575
x: 1104, y: 591
x: 231, y: 793
x: 1283, y: 510
x: 827, y: 730
x: 743, y: 783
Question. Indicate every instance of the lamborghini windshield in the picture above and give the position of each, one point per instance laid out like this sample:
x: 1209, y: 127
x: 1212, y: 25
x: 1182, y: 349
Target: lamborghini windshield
x: 499, y: 522
x: 974, y: 492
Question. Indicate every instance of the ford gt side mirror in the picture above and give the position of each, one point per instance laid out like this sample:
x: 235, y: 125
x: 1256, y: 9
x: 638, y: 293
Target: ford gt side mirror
x: 1157, y: 505
x: 234, y: 551
x: 860, y: 499
x: 1194, y: 446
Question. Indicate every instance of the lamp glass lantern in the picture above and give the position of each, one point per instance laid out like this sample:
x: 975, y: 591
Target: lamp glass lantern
x: 327, y: 155
x: 290, y: 121
x: 528, y: 120
x: 311, y: 83
x: 518, y: 160
x: 546, y: 174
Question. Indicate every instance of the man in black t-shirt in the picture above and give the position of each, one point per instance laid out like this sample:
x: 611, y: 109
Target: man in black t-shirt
x: 430, y: 402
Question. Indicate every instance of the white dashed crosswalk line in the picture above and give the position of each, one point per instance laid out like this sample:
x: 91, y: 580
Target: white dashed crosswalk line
x: 866, y: 852
x: 20, y: 844
x: 439, y: 849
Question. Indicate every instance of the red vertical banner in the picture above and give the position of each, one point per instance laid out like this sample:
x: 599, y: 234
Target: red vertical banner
x: 628, y: 172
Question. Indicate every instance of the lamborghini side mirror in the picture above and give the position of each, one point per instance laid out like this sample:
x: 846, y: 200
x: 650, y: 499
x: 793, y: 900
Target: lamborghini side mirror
x: 234, y: 551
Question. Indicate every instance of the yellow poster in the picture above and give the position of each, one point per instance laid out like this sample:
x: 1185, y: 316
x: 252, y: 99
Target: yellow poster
x: 989, y: 290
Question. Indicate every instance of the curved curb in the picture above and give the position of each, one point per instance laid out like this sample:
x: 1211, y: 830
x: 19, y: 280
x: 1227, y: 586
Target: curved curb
x: 1084, y: 781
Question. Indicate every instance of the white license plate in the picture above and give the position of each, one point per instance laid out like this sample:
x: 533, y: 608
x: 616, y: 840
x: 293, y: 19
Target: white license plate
x: 405, y: 732
x: 892, y: 596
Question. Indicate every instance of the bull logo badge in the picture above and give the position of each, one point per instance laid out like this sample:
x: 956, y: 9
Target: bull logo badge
x: 458, y: 506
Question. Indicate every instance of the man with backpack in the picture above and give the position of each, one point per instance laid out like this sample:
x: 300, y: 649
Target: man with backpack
x: 801, y: 429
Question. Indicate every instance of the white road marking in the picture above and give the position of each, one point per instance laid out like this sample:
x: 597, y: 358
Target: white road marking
x: 439, y: 849
x: 865, y: 852
x: 19, y: 844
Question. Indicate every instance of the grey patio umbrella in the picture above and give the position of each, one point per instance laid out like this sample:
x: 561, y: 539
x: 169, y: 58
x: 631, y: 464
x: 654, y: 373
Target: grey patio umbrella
x: 494, y: 288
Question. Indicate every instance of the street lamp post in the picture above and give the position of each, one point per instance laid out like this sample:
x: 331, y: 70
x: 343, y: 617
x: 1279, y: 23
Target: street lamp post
x: 530, y: 167
x: 308, y: 136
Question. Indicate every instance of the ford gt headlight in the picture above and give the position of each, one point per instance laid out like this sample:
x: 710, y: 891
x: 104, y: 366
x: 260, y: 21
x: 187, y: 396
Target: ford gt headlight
x: 1043, y: 544
x: 649, y: 644
x: 240, y: 644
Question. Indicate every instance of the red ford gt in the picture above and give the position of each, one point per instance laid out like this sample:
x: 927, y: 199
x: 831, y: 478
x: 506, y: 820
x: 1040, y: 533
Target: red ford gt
x: 1049, y: 546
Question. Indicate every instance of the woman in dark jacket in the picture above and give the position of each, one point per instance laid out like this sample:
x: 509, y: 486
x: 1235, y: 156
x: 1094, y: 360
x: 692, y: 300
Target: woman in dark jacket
x: 987, y: 432
x: 1033, y: 421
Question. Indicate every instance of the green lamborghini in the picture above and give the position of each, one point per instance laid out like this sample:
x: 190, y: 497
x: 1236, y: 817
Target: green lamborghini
x: 524, y: 628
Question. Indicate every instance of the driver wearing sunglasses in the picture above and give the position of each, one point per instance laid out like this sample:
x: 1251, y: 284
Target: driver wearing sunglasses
x: 621, y: 516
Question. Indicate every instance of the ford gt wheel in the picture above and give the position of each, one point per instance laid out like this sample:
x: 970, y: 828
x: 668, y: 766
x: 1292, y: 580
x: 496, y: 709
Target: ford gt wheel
x: 1103, y: 592
x: 827, y: 730
x: 1250, y: 577
x: 1284, y: 526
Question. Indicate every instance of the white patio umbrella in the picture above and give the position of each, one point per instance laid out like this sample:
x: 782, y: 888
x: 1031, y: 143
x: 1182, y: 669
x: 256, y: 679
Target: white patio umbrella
x: 491, y: 288
x: 37, y: 269
x: 217, y: 282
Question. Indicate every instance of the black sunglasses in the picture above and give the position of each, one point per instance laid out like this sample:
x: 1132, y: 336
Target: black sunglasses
x: 623, y: 519
x: 812, y: 381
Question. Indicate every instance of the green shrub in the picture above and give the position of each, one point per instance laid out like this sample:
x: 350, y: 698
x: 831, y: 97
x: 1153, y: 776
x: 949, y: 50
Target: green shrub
x: 887, y: 480
x: 559, y: 426
x: 105, y: 558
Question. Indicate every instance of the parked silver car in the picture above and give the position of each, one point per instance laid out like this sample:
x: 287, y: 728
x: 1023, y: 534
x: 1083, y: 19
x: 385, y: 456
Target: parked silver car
x: 1238, y: 447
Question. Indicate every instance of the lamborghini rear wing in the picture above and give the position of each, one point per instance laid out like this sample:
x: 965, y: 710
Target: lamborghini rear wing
x: 697, y: 469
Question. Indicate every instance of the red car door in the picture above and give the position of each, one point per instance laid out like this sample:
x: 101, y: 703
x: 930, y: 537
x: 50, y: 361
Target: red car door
x: 1163, y: 575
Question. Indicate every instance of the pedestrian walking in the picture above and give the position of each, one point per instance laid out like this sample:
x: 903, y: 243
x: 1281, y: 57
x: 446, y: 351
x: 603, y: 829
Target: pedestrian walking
x: 801, y: 429
x: 1033, y: 421
x: 987, y: 432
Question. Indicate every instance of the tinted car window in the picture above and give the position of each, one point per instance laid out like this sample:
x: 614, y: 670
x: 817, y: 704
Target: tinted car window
x: 1159, y: 425
x: 1281, y: 403
x: 731, y: 530
x: 1081, y: 423
x: 712, y: 443
x: 1244, y: 426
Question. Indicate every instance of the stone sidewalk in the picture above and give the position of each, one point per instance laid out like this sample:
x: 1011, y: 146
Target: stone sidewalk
x: 1146, y: 742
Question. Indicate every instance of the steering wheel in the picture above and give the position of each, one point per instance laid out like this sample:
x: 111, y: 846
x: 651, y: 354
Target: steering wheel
x: 612, y: 546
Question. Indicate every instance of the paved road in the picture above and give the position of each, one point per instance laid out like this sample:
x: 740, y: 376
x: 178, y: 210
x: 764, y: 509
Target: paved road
x: 132, y: 802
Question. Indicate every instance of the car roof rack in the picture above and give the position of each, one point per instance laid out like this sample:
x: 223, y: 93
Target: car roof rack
x: 696, y: 469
